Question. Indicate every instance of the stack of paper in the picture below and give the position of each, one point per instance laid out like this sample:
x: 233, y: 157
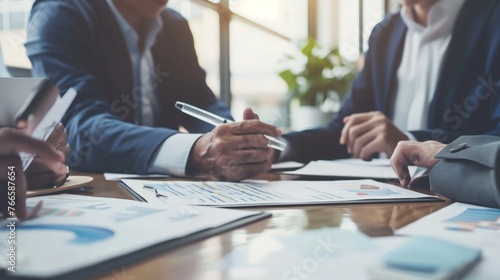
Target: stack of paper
x: 353, y: 168
x: 287, y: 165
x: 120, y: 176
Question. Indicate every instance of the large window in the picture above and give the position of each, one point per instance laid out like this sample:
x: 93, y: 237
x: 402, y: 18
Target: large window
x: 359, y: 17
x: 257, y: 56
x: 241, y: 44
x: 13, y: 14
x: 261, y: 33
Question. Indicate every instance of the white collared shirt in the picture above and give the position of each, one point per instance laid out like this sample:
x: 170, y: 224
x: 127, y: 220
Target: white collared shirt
x: 419, y: 71
x: 144, y: 82
x: 172, y: 156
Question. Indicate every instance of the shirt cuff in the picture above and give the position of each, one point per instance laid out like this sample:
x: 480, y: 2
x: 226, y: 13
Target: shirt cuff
x: 173, y: 155
x: 410, y: 136
x: 287, y: 153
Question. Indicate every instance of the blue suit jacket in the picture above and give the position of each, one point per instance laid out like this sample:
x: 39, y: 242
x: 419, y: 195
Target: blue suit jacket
x: 80, y: 44
x: 466, y: 100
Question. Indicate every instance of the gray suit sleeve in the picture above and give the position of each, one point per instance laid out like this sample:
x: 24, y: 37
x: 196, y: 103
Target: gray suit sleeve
x: 467, y: 171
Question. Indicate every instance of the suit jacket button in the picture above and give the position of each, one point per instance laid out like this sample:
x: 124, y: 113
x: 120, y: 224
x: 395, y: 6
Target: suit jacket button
x: 459, y: 147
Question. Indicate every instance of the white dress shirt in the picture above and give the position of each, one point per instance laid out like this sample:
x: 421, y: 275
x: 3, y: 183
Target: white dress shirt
x: 172, y: 155
x: 419, y: 71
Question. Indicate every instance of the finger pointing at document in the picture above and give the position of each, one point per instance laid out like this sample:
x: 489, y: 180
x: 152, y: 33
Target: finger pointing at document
x: 414, y: 153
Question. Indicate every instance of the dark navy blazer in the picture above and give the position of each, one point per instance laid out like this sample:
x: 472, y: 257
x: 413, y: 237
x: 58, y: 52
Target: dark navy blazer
x: 466, y: 100
x: 79, y: 43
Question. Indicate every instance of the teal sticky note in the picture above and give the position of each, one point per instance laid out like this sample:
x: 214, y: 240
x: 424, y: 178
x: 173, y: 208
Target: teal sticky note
x: 430, y: 255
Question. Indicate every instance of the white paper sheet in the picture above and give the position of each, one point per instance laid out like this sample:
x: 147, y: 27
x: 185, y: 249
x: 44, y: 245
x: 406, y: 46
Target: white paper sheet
x: 466, y: 224
x: 458, y: 222
x: 120, y: 176
x: 76, y: 231
x: 286, y: 165
x: 43, y: 130
x: 244, y: 194
x: 355, y: 168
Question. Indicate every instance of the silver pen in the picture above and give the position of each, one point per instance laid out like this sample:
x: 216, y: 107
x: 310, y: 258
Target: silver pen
x: 215, y: 120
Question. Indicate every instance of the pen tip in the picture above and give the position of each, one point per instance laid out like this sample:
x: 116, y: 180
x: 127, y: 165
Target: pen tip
x: 179, y: 105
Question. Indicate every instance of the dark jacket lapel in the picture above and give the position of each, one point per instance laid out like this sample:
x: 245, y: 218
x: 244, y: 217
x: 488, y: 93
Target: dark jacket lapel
x: 114, y: 53
x: 463, y: 45
x: 394, y: 55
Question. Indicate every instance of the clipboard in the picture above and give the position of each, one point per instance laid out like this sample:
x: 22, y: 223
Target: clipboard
x: 72, y: 182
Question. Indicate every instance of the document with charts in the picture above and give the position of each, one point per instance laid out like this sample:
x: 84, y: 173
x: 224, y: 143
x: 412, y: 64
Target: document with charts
x: 460, y: 222
x: 79, y: 233
x: 249, y: 194
x: 466, y: 224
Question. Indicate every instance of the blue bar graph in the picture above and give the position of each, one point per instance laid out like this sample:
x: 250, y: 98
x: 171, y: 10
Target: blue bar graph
x: 475, y: 218
x: 475, y: 215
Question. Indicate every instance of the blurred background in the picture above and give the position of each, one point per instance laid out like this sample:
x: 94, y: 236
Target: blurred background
x: 244, y: 45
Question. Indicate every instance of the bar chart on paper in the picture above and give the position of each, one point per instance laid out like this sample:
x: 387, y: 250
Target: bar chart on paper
x: 475, y: 218
x: 458, y: 221
x: 466, y: 224
x: 364, y: 190
x: 59, y: 212
x: 276, y: 193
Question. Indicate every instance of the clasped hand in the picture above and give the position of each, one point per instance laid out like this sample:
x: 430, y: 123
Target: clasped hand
x: 368, y: 133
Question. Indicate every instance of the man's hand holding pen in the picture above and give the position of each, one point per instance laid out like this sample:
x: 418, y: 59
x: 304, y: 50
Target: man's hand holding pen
x: 234, y: 151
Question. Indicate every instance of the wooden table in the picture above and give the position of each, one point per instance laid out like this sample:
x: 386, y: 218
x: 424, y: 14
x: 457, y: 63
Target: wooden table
x: 199, y: 260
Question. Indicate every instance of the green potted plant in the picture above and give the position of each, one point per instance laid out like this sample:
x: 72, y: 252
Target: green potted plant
x: 318, y: 86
